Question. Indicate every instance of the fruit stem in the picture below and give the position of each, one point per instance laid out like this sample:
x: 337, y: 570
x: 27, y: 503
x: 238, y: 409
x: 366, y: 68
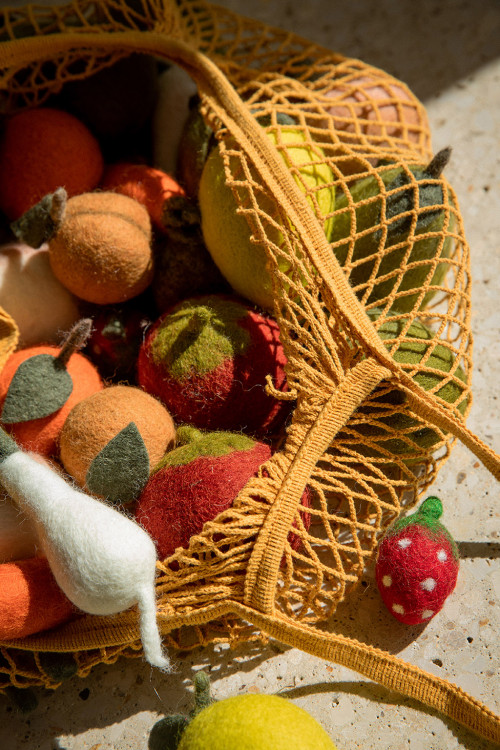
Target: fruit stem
x: 438, y: 163
x: 202, y: 694
x: 41, y: 222
x: 75, y: 340
x: 186, y: 434
x: 431, y: 508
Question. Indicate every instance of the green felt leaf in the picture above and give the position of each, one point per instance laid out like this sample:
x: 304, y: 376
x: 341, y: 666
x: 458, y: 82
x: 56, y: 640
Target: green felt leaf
x: 121, y: 469
x: 40, y: 387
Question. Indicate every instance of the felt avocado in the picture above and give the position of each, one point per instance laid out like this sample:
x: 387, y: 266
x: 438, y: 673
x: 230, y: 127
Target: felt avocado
x: 196, y: 481
x: 359, y: 214
x: 40, y: 385
x: 111, y: 440
x: 417, y: 565
x: 207, y: 359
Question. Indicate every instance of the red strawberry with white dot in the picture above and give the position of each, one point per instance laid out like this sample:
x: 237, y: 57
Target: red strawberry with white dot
x: 417, y: 565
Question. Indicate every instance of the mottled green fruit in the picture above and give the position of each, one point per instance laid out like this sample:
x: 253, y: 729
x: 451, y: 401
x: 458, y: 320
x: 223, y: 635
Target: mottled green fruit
x: 195, y: 443
x: 398, y: 189
x: 58, y: 666
x: 226, y: 232
x: 255, y: 722
x: 167, y: 732
x: 411, y: 351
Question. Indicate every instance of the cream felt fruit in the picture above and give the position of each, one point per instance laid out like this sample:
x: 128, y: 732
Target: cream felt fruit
x: 226, y: 231
x: 254, y: 722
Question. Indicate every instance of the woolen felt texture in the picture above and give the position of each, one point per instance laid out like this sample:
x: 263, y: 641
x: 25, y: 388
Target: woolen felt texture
x: 39, y: 388
x: 42, y: 435
x: 94, y: 422
x: 417, y: 566
x: 41, y: 306
x: 226, y: 360
x: 178, y: 500
x: 43, y: 149
x: 255, y: 722
x: 148, y: 185
x: 30, y: 599
x: 18, y: 537
x: 102, y: 251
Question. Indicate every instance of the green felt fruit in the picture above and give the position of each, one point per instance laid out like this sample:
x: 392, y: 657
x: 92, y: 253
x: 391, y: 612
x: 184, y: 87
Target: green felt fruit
x: 411, y: 351
x: 255, y: 722
x: 226, y: 232
x: 361, y: 208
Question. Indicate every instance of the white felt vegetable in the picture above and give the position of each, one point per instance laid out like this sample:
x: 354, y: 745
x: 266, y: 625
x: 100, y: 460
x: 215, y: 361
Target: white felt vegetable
x: 103, y: 561
x: 172, y: 109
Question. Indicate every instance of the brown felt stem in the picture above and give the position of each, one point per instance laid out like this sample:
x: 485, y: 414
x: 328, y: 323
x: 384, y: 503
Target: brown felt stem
x: 438, y: 163
x: 75, y: 340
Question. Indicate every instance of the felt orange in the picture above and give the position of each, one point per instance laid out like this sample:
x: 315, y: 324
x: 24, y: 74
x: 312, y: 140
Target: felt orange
x: 42, y: 435
x: 42, y: 149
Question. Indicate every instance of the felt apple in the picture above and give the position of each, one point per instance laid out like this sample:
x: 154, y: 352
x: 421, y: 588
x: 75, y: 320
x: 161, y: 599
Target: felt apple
x: 417, y: 565
x: 196, y: 481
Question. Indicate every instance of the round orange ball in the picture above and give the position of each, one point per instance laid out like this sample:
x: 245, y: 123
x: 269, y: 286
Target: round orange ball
x: 102, y: 250
x: 42, y: 435
x: 42, y: 149
x: 150, y: 186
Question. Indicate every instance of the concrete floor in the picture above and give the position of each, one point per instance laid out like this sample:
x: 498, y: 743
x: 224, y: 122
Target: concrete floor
x: 448, y: 52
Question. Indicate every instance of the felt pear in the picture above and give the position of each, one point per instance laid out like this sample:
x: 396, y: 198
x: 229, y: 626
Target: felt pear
x: 359, y: 210
x: 102, y: 560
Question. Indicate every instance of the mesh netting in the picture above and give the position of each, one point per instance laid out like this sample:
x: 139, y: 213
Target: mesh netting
x: 371, y: 293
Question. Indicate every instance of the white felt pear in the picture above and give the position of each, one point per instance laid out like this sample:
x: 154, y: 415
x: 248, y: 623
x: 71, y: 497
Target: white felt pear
x: 102, y: 560
x: 172, y: 109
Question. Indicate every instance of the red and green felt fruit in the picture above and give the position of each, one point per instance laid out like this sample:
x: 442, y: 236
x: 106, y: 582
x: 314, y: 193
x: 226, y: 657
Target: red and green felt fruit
x: 196, y: 481
x: 417, y: 565
x: 207, y: 359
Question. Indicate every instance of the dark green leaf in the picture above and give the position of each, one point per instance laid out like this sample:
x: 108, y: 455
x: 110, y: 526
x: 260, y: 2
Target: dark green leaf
x: 40, y: 387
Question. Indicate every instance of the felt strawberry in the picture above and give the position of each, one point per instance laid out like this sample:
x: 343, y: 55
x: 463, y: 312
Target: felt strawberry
x: 417, y: 565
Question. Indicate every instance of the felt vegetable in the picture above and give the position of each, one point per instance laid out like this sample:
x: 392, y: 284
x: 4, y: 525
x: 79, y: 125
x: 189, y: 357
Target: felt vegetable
x: 194, y: 146
x: 110, y: 440
x: 101, y: 559
x: 360, y: 209
x: 40, y: 385
x: 42, y: 149
x: 175, y: 90
x: 196, y: 481
x: 30, y: 598
x: 410, y: 351
x: 226, y: 232
x: 116, y: 102
x: 207, y: 359
x: 150, y: 186
x: 99, y: 243
x: 18, y: 538
x: 417, y: 565
x: 41, y: 306
x: 113, y: 345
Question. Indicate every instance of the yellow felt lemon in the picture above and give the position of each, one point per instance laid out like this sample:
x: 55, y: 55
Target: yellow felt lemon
x: 254, y: 722
x: 226, y: 232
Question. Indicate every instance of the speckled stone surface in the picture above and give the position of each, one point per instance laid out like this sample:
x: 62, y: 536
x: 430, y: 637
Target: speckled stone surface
x: 448, y: 52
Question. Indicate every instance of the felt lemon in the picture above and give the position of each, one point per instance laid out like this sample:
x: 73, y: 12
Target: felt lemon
x: 254, y: 722
x: 226, y: 232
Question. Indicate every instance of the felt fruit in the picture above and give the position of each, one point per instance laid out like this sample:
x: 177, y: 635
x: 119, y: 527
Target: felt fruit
x: 40, y: 385
x: 417, y: 565
x: 99, y: 243
x: 207, y: 359
x: 150, y: 186
x: 194, y: 147
x: 111, y: 440
x: 254, y: 722
x: 41, y: 150
x: 102, y: 560
x: 18, y: 539
x: 226, y: 232
x: 411, y: 350
x: 41, y: 306
x: 360, y: 210
x: 30, y: 599
x: 196, y: 481
x: 117, y: 102
x: 116, y: 338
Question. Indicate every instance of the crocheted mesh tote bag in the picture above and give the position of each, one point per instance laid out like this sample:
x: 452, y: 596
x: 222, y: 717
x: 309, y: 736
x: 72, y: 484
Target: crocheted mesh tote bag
x: 371, y: 295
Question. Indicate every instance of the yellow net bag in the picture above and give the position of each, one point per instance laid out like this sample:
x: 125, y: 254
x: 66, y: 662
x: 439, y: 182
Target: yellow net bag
x: 371, y: 293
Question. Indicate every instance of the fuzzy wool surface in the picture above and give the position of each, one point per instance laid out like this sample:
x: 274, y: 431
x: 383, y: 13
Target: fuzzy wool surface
x: 175, y: 89
x: 30, y: 599
x: 41, y: 306
x: 42, y: 435
x: 102, y: 560
x: 94, y: 422
x: 42, y: 149
x: 102, y: 251
x: 18, y: 538
x: 207, y: 359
